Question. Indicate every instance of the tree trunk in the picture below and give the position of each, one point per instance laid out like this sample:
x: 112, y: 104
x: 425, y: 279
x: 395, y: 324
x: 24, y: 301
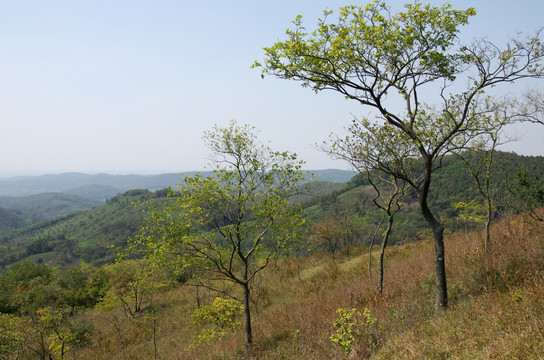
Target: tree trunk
x: 382, y: 251
x: 487, y: 224
x: 247, y: 314
x: 441, y: 296
x: 370, y: 247
x: 441, y: 292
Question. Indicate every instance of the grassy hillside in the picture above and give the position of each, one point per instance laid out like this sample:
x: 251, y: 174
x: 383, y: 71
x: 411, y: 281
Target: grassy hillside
x: 496, y: 309
x: 299, y: 304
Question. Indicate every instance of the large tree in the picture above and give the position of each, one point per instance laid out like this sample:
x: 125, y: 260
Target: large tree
x: 390, y: 62
x: 227, y: 227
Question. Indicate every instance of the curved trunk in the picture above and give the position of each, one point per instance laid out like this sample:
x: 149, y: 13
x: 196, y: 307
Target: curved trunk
x: 441, y: 292
x: 370, y: 248
x: 382, y: 251
x: 441, y: 296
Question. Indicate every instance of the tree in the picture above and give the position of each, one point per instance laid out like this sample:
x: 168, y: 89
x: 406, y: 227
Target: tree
x: 529, y: 190
x: 12, y: 336
x: 62, y: 333
x: 132, y: 285
x: 329, y: 234
x: 227, y: 227
x: 389, y: 62
x: 221, y: 315
x: 479, y: 161
x: 337, y: 231
x: 367, y: 151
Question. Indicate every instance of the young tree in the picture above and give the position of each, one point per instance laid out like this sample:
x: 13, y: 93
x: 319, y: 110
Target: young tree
x: 328, y: 234
x: 480, y: 160
x: 132, y: 285
x: 390, y: 62
x: 229, y: 226
x: 12, y: 336
x: 386, y: 163
x: 529, y: 190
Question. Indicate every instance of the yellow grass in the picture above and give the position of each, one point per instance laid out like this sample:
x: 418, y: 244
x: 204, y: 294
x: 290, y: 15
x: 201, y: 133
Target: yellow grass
x: 496, y: 307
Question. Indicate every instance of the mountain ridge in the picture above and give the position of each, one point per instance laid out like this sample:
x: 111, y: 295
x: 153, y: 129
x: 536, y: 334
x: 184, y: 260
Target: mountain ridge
x: 69, y: 182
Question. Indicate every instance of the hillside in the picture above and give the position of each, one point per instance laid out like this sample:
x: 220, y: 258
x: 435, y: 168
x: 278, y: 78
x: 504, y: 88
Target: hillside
x: 299, y: 303
x: 10, y: 221
x: 44, y: 206
x: 495, y: 307
x: 95, y: 192
x: 91, y: 235
x: 103, y: 186
x: 451, y: 183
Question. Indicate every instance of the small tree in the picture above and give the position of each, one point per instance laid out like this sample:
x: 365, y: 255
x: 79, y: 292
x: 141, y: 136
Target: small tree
x: 529, y: 190
x: 329, y: 234
x: 221, y: 314
x: 350, y: 326
x: 480, y: 160
x: 383, y: 59
x: 373, y: 153
x: 229, y: 226
x: 132, y: 284
x: 57, y: 332
x: 12, y: 336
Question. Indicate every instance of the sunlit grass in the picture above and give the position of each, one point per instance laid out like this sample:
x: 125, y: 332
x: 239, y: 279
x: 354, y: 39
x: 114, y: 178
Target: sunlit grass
x: 496, y: 306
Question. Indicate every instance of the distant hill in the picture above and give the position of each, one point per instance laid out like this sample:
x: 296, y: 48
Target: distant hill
x: 102, y: 186
x: 92, y: 235
x: 71, y: 182
x: 10, y: 221
x: 89, y: 235
x: 95, y: 192
x: 334, y: 175
x: 38, y: 207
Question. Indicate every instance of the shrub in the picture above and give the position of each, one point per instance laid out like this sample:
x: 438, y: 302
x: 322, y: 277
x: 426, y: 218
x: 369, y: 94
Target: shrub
x: 352, y: 325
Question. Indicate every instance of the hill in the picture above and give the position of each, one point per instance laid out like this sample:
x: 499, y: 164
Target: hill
x: 102, y: 186
x: 91, y: 235
x: 44, y: 206
x: 10, y: 221
x: 300, y: 304
x: 451, y: 183
x: 313, y: 304
x: 71, y: 182
x: 94, y: 192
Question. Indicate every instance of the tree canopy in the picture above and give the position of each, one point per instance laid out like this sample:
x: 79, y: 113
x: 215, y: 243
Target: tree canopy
x: 427, y: 91
x: 229, y: 226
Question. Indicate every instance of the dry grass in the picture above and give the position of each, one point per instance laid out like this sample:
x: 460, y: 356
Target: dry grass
x: 496, y: 307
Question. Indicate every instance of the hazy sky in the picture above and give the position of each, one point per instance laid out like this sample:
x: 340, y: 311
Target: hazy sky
x: 129, y: 86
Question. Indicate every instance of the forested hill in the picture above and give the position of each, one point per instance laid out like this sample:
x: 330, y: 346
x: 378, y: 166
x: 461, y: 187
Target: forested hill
x: 38, y: 207
x: 91, y: 235
x: 452, y: 183
x: 103, y: 186
x: 95, y: 186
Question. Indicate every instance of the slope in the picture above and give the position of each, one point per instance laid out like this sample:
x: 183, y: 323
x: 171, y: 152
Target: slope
x: 90, y: 235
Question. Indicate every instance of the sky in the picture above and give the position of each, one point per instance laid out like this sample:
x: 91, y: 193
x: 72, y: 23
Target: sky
x: 122, y: 87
